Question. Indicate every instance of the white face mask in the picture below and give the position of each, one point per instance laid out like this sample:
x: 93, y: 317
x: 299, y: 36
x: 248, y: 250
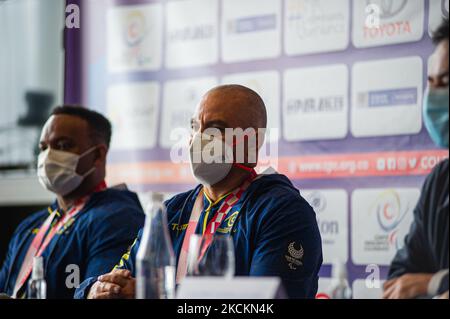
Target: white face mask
x: 211, y: 159
x: 57, y: 170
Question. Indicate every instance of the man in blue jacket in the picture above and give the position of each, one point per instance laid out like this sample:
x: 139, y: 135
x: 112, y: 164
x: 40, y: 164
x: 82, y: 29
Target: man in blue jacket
x: 420, y: 268
x: 273, y: 228
x: 87, y: 228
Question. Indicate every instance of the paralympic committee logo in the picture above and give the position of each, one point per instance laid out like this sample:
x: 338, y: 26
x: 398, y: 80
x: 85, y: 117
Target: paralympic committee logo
x: 135, y: 30
x: 134, y: 35
x: 390, y: 212
x: 294, y: 256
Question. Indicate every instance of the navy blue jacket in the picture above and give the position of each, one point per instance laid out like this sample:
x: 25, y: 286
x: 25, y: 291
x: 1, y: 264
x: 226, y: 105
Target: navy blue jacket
x: 98, y: 236
x: 270, y: 226
x: 426, y: 245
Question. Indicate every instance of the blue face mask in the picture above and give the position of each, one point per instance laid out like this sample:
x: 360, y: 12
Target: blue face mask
x: 435, y: 115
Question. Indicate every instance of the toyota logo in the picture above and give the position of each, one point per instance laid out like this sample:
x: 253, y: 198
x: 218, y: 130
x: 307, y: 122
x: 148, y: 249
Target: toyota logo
x: 388, y: 8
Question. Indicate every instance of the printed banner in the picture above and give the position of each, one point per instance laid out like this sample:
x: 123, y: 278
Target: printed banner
x: 343, y: 84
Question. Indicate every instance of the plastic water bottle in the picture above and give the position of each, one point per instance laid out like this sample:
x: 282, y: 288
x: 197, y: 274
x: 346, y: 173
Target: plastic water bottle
x: 340, y: 288
x: 37, y: 287
x: 155, y: 267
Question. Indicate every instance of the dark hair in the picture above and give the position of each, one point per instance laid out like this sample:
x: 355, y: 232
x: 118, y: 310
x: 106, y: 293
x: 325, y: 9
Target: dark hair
x: 441, y: 32
x: 99, y: 125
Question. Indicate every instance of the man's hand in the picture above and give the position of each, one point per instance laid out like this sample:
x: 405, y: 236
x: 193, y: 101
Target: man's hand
x: 407, y: 286
x: 443, y: 296
x: 117, y: 284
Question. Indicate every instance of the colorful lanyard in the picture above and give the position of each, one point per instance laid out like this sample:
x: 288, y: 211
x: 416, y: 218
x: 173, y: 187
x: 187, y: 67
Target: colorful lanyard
x: 214, y: 223
x: 45, y: 236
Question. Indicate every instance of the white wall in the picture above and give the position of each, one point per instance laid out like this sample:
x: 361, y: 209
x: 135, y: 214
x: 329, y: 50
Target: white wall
x: 31, y: 58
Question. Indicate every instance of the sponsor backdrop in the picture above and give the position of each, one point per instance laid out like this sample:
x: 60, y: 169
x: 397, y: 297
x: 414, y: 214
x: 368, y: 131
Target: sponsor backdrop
x: 345, y: 98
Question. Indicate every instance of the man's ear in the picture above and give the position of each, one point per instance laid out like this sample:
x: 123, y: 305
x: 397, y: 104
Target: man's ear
x: 100, y: 154
x: 261, y: 137
x: 251, y: 144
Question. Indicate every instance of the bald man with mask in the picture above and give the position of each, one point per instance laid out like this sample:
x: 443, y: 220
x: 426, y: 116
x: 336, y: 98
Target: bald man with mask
x: 273, y: 228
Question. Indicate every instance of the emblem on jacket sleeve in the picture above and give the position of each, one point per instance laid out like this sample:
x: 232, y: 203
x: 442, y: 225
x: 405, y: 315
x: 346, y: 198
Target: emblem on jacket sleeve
x: 295, y: 256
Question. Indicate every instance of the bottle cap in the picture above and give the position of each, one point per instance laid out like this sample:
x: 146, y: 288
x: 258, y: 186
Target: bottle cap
x: 339, y: 270
x: 155, y: 203
x: 157, y: 197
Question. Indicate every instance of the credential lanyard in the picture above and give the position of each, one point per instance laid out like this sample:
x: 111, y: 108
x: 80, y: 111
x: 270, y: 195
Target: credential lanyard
x: 211, y: 227
x: 45, y: 236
